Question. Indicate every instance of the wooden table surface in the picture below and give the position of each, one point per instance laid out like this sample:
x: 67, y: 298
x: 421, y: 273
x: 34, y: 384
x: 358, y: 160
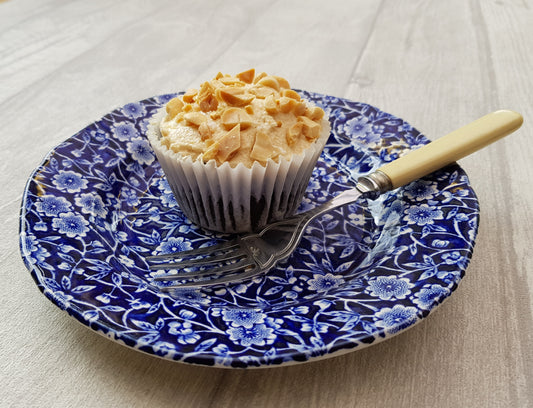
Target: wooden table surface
x: 437, y: 64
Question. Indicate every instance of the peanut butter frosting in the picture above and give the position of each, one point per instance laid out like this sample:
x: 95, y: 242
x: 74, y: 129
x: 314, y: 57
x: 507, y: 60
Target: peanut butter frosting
x: 244, y: 118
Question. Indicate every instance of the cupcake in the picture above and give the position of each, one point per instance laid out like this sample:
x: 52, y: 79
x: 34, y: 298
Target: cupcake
x: 238, y: 152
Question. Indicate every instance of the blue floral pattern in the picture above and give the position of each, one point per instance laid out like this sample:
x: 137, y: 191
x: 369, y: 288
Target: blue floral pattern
x: 99, y: 204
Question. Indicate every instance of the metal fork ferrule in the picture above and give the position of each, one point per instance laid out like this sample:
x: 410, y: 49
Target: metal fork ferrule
x: 376, y: 182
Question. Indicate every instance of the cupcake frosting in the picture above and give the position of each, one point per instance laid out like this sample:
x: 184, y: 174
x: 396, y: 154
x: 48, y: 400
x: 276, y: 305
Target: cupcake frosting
x: 245, y: 118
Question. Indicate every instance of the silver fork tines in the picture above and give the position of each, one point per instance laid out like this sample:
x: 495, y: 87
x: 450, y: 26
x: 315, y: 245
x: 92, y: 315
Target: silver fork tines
x: 192, y: 258
x: 195, y: 265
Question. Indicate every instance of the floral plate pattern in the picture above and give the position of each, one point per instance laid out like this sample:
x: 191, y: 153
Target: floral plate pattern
x: 99, y: 204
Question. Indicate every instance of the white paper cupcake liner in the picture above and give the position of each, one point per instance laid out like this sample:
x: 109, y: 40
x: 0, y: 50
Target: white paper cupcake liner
x: 236, y: 199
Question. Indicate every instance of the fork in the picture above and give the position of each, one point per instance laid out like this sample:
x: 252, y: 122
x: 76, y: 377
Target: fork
x: 251, y: 255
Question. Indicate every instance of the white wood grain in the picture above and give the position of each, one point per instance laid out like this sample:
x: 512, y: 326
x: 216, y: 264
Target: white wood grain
x: 63, y: 64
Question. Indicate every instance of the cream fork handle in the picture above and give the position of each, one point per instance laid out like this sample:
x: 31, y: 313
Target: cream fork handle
x: 452, y: 147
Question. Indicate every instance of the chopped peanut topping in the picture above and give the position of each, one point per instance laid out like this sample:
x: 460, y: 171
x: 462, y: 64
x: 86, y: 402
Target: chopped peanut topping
x: 263, y: 148
x: 229, y: 143
x: 206, y: 98
x: 235, y: 116
x: 227, y: 80
x: 289, y: 93
x: 189, y: 95
x: 247, y: 76
x: 244, y: 118
x: 286, y: 104
x: 314, y: 113
x: 270, y: 104
x: 283, y: 83
x: 310, y: 129
x: 259, y: 77
x: 174, y: 107
x: 270, y: 82
x: 195, y: 118
x: 225, y: 147
x: 293, y: 133
x: 234, y: 96
x: 205, y: 131
x: 263, y: 92
x: 300, y: 109
x: 211, y: 152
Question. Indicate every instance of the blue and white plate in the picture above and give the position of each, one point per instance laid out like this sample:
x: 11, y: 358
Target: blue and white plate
x: 99, y: 204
